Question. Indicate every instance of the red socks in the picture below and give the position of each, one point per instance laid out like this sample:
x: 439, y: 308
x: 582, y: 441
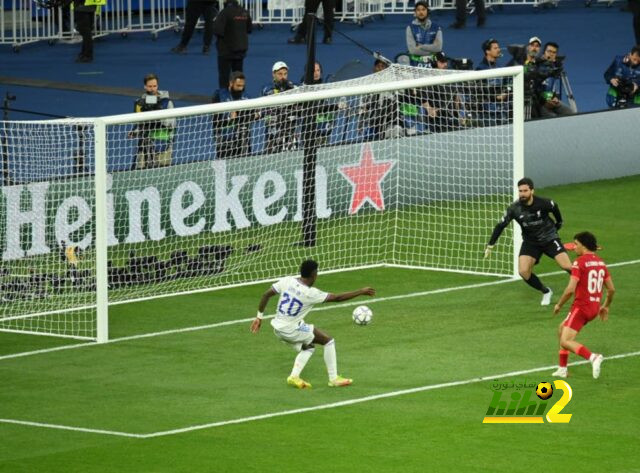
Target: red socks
x: 583, y: 352
x: 564, y: 357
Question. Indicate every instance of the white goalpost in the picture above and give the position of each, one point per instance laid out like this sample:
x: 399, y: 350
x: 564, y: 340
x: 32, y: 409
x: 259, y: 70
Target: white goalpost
x: 412, y: 168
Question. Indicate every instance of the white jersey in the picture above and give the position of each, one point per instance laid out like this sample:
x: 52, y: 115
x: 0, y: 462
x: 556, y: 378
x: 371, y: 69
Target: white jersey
x: 296, y: 300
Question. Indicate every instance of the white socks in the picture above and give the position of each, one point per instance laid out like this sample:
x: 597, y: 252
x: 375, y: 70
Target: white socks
x: 330, y: 359
x: 301, y: 361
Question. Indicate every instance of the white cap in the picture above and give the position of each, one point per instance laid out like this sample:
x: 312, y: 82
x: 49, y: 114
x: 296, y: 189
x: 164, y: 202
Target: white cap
x: 533, y: 39
x: 279, y: 65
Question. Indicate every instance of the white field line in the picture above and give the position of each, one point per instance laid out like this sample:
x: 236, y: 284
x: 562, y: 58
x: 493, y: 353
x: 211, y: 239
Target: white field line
x: 317, y: 309
x: 68, y: 427
x: 348, y: 402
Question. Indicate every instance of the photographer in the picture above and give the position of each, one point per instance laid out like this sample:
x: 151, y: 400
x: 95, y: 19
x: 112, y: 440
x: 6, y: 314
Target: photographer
x: 623, y: 77
x: 522, y: 56
x: 155, y: 138
x: 527, y: 57
x: 232, y: 128
x: 550, y: 70
x: 280, y: 121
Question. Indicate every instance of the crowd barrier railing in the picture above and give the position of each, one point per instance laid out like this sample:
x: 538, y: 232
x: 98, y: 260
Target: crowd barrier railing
x: 27, y: 22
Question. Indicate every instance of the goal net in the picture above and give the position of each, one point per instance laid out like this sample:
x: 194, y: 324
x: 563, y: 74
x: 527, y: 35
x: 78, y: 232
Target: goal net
x: 47, y: 275
x: 412, y: 167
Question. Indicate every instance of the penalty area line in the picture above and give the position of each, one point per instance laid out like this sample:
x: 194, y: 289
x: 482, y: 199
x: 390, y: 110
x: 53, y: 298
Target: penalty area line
x: 315, y: 309
x: 302, y: 410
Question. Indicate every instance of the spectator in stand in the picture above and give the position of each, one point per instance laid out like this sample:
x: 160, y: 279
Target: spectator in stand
x: 232, y: 27
x: 195, y: 9
x: 623, y: 77
x: 424, y: 37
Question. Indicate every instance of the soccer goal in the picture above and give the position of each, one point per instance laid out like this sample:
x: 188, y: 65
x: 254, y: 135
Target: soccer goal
x: 410, y: 167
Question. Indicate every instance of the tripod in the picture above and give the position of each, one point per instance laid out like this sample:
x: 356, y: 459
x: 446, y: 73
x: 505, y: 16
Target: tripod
x: 570, y: 98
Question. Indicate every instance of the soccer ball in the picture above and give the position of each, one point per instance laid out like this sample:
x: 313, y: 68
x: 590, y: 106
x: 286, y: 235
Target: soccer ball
x: 544, y: 390
x: 362, y: 315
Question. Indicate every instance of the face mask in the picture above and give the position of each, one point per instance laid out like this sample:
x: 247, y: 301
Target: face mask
x: 236, y: 94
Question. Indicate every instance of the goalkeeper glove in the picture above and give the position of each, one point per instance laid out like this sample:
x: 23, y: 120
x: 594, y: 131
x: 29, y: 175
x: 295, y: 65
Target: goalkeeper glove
x: 487, y: 250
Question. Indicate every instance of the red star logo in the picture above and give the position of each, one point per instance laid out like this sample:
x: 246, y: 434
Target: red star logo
x: 366, y: 179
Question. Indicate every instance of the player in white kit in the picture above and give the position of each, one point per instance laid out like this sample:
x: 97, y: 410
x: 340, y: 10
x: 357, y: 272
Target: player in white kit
x: 297, y: 298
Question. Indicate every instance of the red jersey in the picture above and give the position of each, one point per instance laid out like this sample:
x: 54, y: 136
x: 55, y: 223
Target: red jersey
x: 591, y: 273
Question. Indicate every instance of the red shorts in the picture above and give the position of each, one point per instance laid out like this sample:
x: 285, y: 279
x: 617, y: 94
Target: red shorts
x: 578, y: 318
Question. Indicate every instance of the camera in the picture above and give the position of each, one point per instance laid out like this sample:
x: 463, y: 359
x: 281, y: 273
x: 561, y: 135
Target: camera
x: 518, y: 52
x: 461, y: 64
x: 284, y: 85
x: 625, y: 92
x: 550, y: 69
x: 150, y: 103
x: 537, y: 72
x: 625, y: 87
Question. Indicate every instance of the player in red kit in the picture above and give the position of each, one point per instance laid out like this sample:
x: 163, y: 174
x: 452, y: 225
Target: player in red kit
x: 588, y: 276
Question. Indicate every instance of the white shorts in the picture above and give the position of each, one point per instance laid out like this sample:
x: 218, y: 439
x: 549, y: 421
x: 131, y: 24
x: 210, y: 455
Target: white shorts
x: 296, y: 336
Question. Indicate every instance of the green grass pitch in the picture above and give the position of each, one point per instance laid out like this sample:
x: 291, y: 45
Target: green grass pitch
x: 131, y: 394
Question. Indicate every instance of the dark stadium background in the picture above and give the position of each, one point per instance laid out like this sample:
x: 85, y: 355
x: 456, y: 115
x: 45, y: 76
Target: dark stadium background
x: 589, y: 37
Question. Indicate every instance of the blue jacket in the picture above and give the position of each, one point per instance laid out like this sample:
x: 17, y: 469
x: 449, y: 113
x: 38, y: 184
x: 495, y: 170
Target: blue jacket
x: 224, y: 95
x: 226, y: 126
x: 622, y: 70
x: 423, y: 40
x: 484, y: 65
x: 274, y: 88
x: 278, y: 117
x: 493, y: 88
x: 160, y: 130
